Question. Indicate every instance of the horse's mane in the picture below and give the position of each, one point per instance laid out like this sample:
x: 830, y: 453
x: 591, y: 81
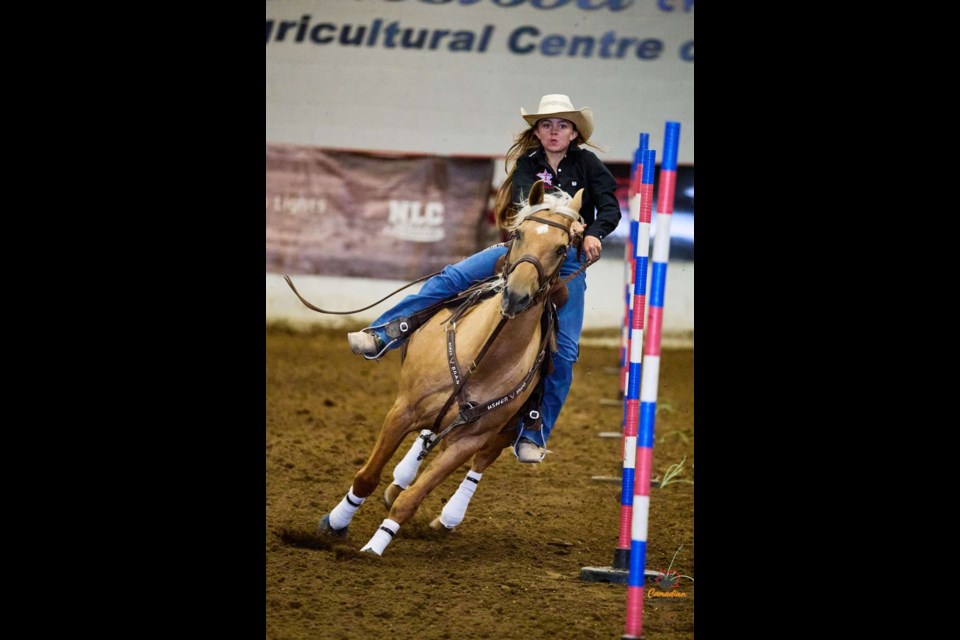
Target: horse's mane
x: 555, y: 202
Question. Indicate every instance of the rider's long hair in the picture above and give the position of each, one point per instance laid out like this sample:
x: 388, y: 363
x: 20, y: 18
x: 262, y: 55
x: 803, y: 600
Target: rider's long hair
x: 526, y: 142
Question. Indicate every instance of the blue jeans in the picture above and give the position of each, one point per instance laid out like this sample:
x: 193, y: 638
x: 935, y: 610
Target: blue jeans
x: 457, y: 277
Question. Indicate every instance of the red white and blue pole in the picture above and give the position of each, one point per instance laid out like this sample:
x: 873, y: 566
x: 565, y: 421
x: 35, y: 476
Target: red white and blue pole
x: 648, y: 387
x: 629, y: 250
x: 632, y: 400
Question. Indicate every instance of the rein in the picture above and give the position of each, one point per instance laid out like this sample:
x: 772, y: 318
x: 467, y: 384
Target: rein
x: 532, y: 260
x: 580, y: 270
x: 346, y: 313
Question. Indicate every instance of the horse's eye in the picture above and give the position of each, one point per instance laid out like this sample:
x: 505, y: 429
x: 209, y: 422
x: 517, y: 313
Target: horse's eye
x: 517, y: 235
x: 561, y: 250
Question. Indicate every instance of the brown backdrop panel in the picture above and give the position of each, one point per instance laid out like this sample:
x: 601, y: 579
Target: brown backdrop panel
x: 362, y: 215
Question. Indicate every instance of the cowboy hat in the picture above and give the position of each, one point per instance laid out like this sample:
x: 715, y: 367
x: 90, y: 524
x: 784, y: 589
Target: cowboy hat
x: 557, y: 105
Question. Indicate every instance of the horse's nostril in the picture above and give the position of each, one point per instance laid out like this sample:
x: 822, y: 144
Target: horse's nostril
x: 514, y: 303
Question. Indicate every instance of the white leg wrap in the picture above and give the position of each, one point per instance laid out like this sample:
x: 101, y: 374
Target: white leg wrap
x: 456, y: 507
x: 406, y: 470
x: 382, y: 537
x: 342, y: 514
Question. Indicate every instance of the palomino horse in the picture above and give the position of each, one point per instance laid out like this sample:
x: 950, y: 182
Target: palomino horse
x: 503, y: 340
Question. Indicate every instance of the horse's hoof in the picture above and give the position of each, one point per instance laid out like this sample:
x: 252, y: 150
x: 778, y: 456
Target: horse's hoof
x: 439, y: 526
x: 324, y: 528
x: 390, y: 494
x: 370, y: 552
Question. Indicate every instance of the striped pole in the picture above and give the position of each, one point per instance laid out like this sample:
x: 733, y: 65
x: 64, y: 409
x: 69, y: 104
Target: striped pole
x: 629, y: 249
x: 621, y: 555
x: 631, y: 405
x: 648, y: 390
x: 624, y: 326
x: 627, y: 276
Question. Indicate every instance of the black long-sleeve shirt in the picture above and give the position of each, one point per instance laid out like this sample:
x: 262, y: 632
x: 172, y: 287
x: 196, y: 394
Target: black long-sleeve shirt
x: 579, y: 169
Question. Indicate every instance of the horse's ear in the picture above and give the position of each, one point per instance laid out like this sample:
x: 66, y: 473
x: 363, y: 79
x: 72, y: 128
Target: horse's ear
x: 536, y: 193
x: 577, y: 201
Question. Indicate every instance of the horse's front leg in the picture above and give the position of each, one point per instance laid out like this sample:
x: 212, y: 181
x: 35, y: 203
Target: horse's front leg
x: 406, y: 470
x: 398, y: 423
x: 409, y: 501
x: 456, y: 507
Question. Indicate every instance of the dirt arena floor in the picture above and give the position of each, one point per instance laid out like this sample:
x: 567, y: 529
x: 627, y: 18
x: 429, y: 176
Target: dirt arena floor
x: 512, y: 568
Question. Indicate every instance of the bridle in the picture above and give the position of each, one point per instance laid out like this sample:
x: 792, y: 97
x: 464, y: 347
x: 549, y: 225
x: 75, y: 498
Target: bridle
x: 544, y: 283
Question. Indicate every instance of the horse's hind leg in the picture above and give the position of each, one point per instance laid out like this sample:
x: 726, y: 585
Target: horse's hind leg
x: 368, y: 477
x: 409, y: 501
x: 456, y: 507
x: 405, y: 471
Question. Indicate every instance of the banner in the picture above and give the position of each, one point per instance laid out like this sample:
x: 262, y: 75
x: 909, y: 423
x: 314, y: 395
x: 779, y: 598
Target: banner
x: 448, y: 77
x: 365, y: 215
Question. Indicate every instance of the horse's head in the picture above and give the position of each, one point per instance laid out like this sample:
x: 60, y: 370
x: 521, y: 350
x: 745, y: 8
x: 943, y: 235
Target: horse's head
x: 541, y: 236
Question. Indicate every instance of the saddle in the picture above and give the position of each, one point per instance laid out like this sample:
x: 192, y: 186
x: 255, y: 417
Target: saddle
x: 403, y: 328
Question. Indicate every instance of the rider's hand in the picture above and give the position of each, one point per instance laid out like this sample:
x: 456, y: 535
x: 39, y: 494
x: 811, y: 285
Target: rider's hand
x: 592, y: 247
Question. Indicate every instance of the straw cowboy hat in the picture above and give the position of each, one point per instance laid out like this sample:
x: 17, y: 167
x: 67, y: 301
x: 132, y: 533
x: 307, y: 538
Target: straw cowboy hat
x: 557, y: 105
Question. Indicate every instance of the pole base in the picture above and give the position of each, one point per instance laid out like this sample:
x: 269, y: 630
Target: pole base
x: 609, y: 574
x: 621, y: 559
x: 606, y: 479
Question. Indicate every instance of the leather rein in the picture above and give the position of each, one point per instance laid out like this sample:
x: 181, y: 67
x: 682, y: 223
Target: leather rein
x: 541, y: 281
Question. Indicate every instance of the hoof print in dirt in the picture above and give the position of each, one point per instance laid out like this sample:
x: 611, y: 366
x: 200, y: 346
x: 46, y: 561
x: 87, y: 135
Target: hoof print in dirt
x: 325, y: 529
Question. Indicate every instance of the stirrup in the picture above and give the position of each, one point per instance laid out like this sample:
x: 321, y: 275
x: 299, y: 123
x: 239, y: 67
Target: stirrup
x: 542, y: 451
x: 379, y: 355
